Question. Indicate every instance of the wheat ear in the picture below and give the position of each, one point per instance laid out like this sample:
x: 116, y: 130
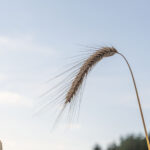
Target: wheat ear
x: 88, y: 65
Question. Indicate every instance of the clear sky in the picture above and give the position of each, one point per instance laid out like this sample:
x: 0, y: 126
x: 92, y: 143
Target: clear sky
x: 35, y: 38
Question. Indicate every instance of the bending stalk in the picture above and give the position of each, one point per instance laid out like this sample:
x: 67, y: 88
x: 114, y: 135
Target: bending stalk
x: 138, y: 99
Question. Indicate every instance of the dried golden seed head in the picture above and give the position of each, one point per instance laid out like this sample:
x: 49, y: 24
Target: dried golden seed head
x: 86, y: 67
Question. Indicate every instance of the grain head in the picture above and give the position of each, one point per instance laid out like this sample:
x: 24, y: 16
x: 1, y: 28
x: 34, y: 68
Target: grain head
x: 86, y: 67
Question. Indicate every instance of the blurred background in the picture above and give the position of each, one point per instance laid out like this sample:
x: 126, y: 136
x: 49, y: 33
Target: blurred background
x: 36, y: 37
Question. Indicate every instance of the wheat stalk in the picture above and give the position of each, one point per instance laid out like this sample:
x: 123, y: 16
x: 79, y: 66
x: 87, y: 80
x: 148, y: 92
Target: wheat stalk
x: 87, y: 66
x: 69, y: 88
x: 138, y: 99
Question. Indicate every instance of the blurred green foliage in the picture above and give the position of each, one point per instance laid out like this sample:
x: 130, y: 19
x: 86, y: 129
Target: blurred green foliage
x: 97, y: 147
x: 130, y: 142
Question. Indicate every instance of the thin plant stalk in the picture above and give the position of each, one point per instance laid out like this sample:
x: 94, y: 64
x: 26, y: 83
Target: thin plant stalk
x: 78, y: 76
x: 138, y: 99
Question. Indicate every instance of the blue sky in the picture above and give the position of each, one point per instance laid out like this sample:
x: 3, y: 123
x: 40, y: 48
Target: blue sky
x: 37, y: 36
